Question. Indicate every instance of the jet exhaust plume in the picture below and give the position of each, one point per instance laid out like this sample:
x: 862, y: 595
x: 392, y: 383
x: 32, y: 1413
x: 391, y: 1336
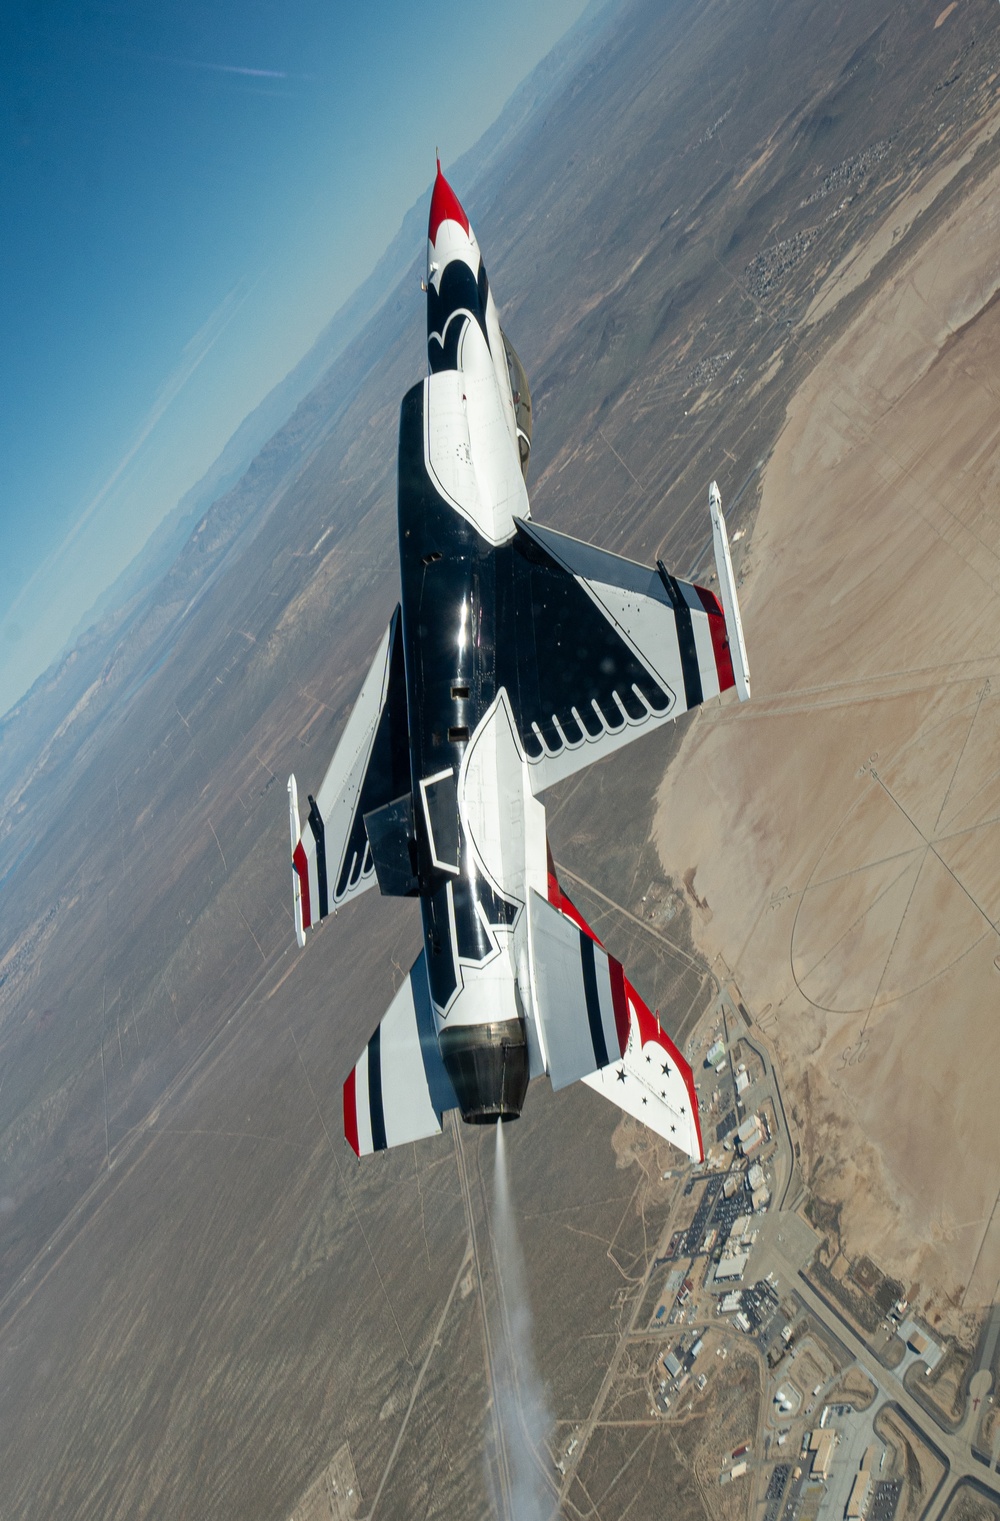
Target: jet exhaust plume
x: 523, y: 1416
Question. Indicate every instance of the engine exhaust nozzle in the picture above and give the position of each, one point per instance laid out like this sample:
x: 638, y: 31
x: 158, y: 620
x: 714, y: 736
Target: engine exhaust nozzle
x: 488, y: 1067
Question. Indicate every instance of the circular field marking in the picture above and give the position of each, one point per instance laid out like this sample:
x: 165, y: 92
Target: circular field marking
x: 909, y: 881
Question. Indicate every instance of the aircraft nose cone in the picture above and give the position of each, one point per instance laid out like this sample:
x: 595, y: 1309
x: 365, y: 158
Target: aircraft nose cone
x: 445, y: 207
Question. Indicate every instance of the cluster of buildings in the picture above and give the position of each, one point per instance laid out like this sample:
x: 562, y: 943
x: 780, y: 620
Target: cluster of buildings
x: 736, y: 1252
x: 818, y: 1450
x: 751, y: 1134
x: 739, y: 1462
x: 678, y: 1368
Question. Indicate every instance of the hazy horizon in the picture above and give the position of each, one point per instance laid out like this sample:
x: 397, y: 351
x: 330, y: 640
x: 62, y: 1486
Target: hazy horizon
x: 195, y: 198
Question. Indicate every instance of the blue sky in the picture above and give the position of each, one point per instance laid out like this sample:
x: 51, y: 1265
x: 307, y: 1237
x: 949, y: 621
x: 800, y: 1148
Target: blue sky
x: 188, y: 194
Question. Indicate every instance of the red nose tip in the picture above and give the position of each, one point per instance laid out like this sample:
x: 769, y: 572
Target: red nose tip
x: 445, y: 207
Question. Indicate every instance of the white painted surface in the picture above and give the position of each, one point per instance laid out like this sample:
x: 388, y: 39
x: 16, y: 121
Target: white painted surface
x: 727, y: 589
x: 340, y: 788
x: 660, y: 1100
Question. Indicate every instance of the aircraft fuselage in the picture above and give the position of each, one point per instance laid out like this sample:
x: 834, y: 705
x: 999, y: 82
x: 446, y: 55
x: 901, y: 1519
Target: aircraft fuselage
x: 460, y: 492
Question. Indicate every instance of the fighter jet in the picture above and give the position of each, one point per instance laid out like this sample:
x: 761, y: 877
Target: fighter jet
x: 516, y: 657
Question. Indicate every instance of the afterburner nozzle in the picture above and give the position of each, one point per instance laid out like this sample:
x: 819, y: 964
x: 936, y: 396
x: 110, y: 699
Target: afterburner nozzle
x: 488, y: 1067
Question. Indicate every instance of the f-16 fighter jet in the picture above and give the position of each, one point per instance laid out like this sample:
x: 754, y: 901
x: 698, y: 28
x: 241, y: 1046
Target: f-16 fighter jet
x: 516, y: 656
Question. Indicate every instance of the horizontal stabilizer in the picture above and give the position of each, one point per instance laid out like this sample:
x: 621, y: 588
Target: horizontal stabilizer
x: 594, y: 1026
x: 653, y: 1082
x: 399, y: 1089
x: 579, y: 996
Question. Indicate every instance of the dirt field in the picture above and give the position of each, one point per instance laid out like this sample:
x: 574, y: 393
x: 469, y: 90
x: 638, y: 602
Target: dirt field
x: 855, y: 1388
x: 912, y: 1461
x: 843, y: 830
x: 947, y: 1387
x: 966, y: 1505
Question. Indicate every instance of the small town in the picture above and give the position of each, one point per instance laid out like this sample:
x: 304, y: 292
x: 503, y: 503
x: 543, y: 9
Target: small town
x: 854, y: 1425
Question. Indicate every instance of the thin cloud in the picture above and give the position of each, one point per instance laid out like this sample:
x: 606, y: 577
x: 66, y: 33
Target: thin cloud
x: 193, y: 354
x: 228, y: 68
x: 223, y: 68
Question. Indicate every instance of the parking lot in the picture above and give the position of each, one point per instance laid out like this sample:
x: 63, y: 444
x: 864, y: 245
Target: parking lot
x: 695, y: 1234
x: 726, y: 1125
x: 775, y: 1491
x: 885, y: 1499
x: 793, y: 1495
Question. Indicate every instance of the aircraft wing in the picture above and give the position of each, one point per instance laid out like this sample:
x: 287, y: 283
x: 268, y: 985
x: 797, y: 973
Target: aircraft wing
x: 399, y: 1089
x: 599, y: 650
x: 332, y: 860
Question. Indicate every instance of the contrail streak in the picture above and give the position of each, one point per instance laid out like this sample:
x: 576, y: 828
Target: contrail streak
x: 230, y: 68
x: 522, y: 1405
x: 222, y: 68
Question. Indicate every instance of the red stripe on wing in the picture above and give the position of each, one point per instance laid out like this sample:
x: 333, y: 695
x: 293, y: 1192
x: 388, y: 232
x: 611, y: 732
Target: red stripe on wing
x: 351, y: 1112
x: 565, y: 905
x: 619, y: 999
x: 688, y: 1077
x: 650, y: 1029
x: 720, y: 638
x: 301, y: 866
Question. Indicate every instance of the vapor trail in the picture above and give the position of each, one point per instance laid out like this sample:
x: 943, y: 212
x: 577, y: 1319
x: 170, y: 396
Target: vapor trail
x: 220, y: 68
x: 229, y: 68
x: 523, y: 1415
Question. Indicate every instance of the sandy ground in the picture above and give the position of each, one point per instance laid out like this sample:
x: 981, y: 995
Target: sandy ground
x: 844, y: 828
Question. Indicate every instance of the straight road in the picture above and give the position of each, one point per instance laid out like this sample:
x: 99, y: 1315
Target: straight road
x: 628, y: 1331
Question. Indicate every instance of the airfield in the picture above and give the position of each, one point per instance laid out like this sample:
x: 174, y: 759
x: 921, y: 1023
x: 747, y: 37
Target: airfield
x: 757, y: 245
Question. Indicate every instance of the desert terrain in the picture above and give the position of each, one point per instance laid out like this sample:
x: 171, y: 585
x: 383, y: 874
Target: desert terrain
x: 851, y: 868
x: 697, y: 240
